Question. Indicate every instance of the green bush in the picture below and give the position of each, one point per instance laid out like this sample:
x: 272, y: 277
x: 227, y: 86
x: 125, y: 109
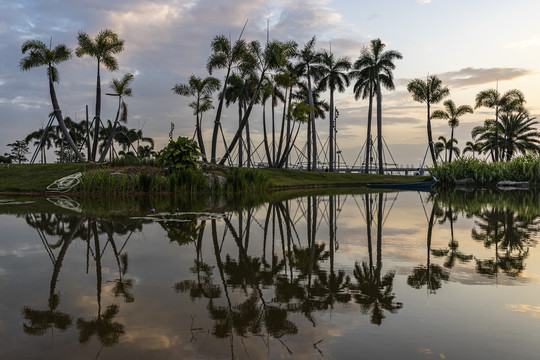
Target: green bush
x: 180, y: 154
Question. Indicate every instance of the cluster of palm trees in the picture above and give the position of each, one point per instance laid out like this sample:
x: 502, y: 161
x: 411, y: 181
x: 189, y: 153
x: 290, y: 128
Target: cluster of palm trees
x: 296, y: 77
x: 103, y: 48
x: 512, y: 131
x: 129, y: 141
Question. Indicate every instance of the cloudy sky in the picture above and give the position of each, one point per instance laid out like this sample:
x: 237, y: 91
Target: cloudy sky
x: 469, y: 44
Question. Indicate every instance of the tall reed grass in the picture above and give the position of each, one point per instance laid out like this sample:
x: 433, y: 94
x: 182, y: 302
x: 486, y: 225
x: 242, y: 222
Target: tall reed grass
x: 522, y: 168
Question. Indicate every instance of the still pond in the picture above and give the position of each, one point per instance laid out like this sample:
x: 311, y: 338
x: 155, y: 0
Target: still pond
x: 382, y: 275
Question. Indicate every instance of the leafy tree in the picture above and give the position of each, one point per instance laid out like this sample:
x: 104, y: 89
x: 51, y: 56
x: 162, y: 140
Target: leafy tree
x: 430, y: 92
x: 332, y: 74
x: 19, y: 149
x: 202, y: 89
x: 380, y: 64
x: 48, y: 141
x: 512, y: 100
x: 41, y: 55
x: 452, y: 115
x: 103, y: 48
x: 121, y: 88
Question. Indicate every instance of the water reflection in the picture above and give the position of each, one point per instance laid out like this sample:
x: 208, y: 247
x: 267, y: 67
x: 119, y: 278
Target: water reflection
x: 272, y: 271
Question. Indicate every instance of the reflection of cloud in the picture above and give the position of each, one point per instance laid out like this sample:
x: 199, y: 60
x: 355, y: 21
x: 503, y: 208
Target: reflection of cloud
x: 429, y: 352
x: 534, y: 311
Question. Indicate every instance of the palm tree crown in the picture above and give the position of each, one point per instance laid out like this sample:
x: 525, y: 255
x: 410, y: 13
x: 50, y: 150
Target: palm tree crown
x: 452, y: 115
x: 430, y: 92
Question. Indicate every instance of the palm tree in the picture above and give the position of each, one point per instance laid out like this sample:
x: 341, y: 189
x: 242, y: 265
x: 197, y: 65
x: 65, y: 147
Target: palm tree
x: 331, y: 73
x: 447, y: 146
x: 40, y: 55
x: 512, y: 100
x: 273, y: 56
x: 48, y: 141
x: 320, y: 107
x: 102, y: 48
x: 520, y: 134
x: 273, y: 91
x: 308, y: 57
x: 430, y: 91
x: 380, y: 64
x: 121, y: 88
x: 472, y: 147
x: 202, y: 89
x: 452, y: 115
x: 364, y: 87
x: 224, y: 56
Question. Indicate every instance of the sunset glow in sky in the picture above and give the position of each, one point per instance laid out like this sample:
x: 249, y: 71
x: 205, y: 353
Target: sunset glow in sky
x: 468, y: 44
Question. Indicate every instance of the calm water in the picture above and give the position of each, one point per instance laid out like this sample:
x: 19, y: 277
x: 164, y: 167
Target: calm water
x: 400, y: 275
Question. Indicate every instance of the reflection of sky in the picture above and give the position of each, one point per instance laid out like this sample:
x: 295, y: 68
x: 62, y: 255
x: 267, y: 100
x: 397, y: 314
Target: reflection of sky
x: 462, y: 320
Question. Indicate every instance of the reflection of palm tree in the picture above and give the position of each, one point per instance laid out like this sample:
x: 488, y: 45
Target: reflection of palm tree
x: 42, y: 320
x: 452, y: 250
x: 371, y: 292
x: 430, y: 275
x: 107, y: 331
x: 510, y: 233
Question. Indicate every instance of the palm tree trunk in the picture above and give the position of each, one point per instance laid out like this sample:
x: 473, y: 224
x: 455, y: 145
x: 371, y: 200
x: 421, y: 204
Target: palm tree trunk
x: 199, y: 132
x: 379, y: 127
x: 429, y: 134
x: 248, y: 145
x: 98, y: 113
x: 313, y: 130
x: 58, y: 114
x: 266, y: 147
x: 309, y: 143
x: 218, y: 117
x: 273, y: 132
x: 451, y: 144
x: 496, y: 133
x: 282, y: 127
x: 241, y: 143
x: 331, y: 133
x: 368, y: 136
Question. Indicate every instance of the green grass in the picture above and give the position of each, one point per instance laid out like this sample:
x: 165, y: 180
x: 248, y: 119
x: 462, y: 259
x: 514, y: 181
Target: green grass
x: 281, y: 178
x: 36, y: 178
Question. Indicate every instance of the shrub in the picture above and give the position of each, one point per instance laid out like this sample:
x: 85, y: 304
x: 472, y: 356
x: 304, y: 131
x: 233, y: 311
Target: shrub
x: 180, y: 154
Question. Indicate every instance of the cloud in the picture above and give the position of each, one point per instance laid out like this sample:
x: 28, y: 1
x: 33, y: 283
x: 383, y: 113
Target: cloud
x: 422, y: 2
x: 470, y: 76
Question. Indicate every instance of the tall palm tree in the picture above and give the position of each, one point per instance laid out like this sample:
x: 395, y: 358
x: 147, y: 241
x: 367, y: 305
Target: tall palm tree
x: 512, y: 100
x: 121, y: 88
x: 273, y: 56
x: 332, y: 74
x: 202, y: 89
x: 308, y: 57
x: 225, y: 55
x: 430, y: 91
x: 472, y: 147
x: 364, y: 87
x: 381, y: 64
x: 452, y: 115
x: 103, y: 48
x: 39, y: 55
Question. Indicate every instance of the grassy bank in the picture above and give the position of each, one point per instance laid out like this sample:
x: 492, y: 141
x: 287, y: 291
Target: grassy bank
x: 36, y: 178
